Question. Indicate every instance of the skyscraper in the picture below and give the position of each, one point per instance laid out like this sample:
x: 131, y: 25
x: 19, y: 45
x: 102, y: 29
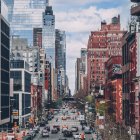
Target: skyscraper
x: 60, y: 64
x: 37, y: 37
x: 24, y: 15
x: 4, y: 65
x: 48, y: 34
x: 60, y: 49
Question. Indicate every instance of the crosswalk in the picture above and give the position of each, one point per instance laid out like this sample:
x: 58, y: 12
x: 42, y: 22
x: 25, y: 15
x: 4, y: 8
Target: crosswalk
x: 64, y: 122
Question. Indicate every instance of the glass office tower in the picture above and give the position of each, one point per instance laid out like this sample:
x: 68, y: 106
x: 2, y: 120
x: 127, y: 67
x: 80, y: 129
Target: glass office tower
x: 24, y: 15
x: 4, y: 65
x: 60, y: 48
x: 48, y: 34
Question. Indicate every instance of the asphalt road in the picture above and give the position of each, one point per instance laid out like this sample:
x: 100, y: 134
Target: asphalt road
x: 68, y: 122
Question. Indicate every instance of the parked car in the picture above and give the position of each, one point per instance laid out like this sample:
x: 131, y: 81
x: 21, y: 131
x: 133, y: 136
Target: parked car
x: 45, y: 133
x: 68, y: 133
x: 54, y: 131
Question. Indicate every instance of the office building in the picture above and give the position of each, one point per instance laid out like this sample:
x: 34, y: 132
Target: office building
x: 48, y: 34
x: 84, y: 60
x: 60, y: 64
x: 19, y: 71
x: 21, y: 51
x: 4, y: 66
x: 77, y: 75
x: 37, y: 37
x: 24, y: 15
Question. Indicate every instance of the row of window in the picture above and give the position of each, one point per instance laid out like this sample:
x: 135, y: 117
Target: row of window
x: 5, y: 28
x: 5, y: 76
x: 5, y: 41
x: 5, y: 52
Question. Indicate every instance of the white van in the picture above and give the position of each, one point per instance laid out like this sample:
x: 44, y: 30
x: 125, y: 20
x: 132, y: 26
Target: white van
x: 10, y: 136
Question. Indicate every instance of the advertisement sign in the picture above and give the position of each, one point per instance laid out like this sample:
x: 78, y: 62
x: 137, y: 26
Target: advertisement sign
x: 117, y: 69
x: 15, y: 114
x: 11, y: 87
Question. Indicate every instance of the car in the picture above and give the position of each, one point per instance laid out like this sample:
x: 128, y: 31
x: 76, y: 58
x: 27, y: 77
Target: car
x: 87, y: 130
x: 65, y: 126
x: 36, y: 129
x: 83, y: 122
x: 76, y: 136
x: 74, y: 128
x: 32, y: 133
x: 45, y: 133
x: 64, y: 118
x: 54, y: 131
x: 57, y: 127
x: 79, y: 136
x: 47, y: 127
x: 10, y: 136
x: 64, y: 129
x: 42, y: 123
x: 67, y: 133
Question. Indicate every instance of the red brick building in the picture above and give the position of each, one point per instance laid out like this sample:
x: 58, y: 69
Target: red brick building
x: 36, y: 101
x: 131, y: 82
x: 101, y: 46
x: 113, y: 87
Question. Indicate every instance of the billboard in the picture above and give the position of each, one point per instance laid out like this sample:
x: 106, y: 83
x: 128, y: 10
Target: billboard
x: 117, y: 69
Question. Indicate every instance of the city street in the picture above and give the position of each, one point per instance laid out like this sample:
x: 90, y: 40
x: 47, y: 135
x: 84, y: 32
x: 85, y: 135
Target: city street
x: 68, y: 122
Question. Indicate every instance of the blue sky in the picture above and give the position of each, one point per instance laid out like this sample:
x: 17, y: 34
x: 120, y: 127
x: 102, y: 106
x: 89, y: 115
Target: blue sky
x: 79, y: 17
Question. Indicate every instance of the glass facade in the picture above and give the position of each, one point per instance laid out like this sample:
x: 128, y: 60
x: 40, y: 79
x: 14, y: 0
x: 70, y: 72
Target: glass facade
x: 24, y: 15
x: 60, y: 46
x: 3, y: 9
x: 4, y: 61
x: 17, y: 76
x: 48, y: 34
x: 26, y: 103
x: 27, y: 81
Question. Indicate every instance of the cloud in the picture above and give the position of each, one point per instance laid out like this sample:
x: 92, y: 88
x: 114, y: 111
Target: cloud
x: 81, y: 2
x: 83, y: 20
x: 79, y: 22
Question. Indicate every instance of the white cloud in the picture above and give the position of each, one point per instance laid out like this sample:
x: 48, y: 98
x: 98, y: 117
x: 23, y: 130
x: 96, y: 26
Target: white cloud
x: 78, y: 23
x: 83, y: 20
x: 71, y: 2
